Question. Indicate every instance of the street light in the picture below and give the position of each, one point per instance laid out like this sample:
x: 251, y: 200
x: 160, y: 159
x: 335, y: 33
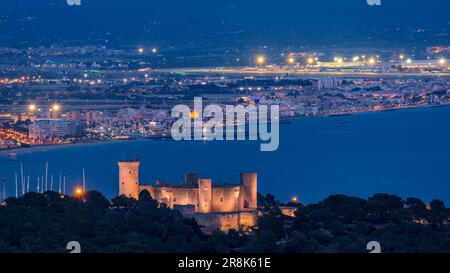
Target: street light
x: 372, y: 61
x: 154, y: 50
x: 56, y: 107
x: 260, y: 59
x: 291, y: 60
x: 442, y: 61
x: 32, y: 107
x: 78, y: 192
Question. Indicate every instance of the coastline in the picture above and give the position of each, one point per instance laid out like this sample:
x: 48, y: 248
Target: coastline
x: 387, y: 110
x: 44, y: 147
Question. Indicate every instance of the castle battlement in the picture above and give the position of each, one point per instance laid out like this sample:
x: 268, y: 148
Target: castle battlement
x: 201, y: 194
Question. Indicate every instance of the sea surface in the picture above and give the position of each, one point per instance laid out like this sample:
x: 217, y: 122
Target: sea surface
x: 404, y: 152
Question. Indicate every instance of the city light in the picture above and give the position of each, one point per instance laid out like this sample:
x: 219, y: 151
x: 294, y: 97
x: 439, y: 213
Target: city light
x: 310, y: 60
x: 442, y: 61
x: 339, y: 60
x: 372, y: 61
x: 56, y: 107
x: 141, y: 50
x: 401, y: 57
x: 32, y: 107
x: 356, y: 58
x: 260, y: 59
x: 78, y: 192
x: 291, y: 60
x: 408, y: 61
x: 154, y: 50
x: 193, y: 114
x: 294, y: 199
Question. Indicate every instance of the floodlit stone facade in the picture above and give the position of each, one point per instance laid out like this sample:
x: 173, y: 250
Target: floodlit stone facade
x: 227, y: 206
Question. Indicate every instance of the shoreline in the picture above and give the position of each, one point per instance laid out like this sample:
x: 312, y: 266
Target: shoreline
x: 387, y: 110
x: 44, y: 147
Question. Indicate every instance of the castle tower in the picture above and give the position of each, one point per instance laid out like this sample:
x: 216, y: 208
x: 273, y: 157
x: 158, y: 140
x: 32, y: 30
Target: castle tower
x: 249, y: 182
x: 129, y: 178
x: 191, y: 179
x: 204, y: 195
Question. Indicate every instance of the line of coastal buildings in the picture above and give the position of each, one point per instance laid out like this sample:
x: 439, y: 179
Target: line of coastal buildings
x: 226, y: 206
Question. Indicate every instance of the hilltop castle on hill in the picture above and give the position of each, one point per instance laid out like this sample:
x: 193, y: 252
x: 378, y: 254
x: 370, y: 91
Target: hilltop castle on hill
x: 213, y: 206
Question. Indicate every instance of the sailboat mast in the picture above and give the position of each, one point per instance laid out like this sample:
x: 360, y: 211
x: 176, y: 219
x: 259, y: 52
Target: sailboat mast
x: 84, y: 181
x: 22, y: 181
x: 4, y: 189
x: 59, y: 187
x: 46, y: 175
x: 17, y: 193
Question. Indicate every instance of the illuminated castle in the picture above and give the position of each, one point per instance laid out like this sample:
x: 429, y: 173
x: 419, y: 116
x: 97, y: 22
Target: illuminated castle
x: 213, y: 206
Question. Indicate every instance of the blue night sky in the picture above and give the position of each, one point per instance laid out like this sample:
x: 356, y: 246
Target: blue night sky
x: 225, y: 21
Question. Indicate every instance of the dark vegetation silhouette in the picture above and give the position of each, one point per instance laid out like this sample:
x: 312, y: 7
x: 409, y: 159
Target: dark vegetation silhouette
x: 47, y: 222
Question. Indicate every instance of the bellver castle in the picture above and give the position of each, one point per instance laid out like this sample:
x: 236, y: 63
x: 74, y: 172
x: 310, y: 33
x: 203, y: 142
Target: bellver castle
x: 213, y: 206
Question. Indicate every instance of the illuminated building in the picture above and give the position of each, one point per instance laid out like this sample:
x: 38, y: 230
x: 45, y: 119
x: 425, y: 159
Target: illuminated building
x: 49, y: 128
x: 216, y: 206
x: 327, y: 83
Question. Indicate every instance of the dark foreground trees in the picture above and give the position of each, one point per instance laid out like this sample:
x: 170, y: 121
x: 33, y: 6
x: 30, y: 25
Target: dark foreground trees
x: 47, y: 222
x: 346, y: 224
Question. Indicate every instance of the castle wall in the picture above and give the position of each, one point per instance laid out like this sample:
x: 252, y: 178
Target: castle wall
x: 220, y: 199
x: 226, y: 221
x: 172, y: 196
x: 225, y: 199
x: 203, y: 196
x: 288, y: 211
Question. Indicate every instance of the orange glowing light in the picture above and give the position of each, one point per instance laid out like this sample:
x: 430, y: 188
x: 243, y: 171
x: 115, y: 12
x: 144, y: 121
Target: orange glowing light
x: 291, y: 60
x: 260, y: 59
x: 78, y: 192
x: 193, y: 114
x: 56, y: 107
